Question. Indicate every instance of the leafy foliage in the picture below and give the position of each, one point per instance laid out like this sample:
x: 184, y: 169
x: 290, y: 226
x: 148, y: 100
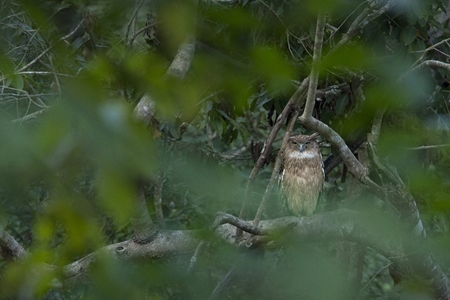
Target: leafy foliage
x: 72, y: 152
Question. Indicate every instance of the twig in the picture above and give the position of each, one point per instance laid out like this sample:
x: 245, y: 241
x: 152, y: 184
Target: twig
x: 428, y: 63
x: 428, y: 147
x: 224, y: 218
x: 133, y: 37
x: 292, y: 103
x: 276, y: 169
x: 376, y: 127
x: 372, y: 278
x: 29, y: 116
x: 133, y: 17
x: 360, y: 22
x: 51, y: 47
x: 428, y: 49
x: 314, y: 76
x: 158, y: 199
x: 195, y: 256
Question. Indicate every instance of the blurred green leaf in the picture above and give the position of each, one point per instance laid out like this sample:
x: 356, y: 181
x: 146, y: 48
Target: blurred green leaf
x: 408, y: 35
x: 269, y: 64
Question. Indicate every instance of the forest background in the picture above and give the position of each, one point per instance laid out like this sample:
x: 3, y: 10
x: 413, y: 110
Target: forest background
x: 140, y: 140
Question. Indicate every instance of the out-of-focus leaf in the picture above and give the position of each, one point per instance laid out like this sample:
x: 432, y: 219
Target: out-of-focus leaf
x: 18, y: 82
x: 353, y: 57
x: 341, y: 105
x: 117, y: 195
x: 408, y: 35
x: 270, y: 65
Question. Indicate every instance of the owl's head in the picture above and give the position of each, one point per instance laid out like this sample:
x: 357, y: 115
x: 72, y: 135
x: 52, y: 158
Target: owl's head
x: 303, y: 145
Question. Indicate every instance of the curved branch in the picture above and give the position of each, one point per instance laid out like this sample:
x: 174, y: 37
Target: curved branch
x: 341, y: 225
x: 430, y: 64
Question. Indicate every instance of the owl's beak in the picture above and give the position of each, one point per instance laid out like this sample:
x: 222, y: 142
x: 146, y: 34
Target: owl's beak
x: 301, y: 147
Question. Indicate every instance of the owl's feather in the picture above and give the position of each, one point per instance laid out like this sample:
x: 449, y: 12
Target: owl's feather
x: 302, y: 177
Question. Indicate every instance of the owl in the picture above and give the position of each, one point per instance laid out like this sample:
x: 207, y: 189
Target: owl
x: 302, y: 177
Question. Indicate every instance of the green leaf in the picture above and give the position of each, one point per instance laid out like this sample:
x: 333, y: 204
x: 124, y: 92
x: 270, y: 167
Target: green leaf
x: 408, y: 35
x: 272, y: 66
x: 341, y: 105
x: 18, y: 82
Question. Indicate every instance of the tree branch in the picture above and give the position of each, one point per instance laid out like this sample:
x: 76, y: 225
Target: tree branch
x: 314, y: 76
x: 341, y: 225
x: 430, y: 64
x: 132, y: 20
x: 144, y: 229
x: 157, y: 199
x: 10, y: 249
x: 362, y: 20
x: 51, y: 47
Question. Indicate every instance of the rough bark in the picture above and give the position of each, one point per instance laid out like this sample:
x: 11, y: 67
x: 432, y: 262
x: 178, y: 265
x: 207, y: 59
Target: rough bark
x: 10, y: 249
x: 341, y: 225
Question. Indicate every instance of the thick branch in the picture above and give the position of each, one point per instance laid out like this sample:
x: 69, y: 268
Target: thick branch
x: 182, y: 61
x: 143, y: 228
x: 341, y: 225
x: 354, y: 166
x: 145, y: 109
x: 163, y: 245
x: 10, y: 249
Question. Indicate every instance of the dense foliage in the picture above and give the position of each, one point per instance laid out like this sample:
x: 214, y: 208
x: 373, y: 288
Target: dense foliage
x: 74, y: 154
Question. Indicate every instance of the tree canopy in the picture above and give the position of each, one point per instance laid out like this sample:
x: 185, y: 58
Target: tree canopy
x: 140, y: 148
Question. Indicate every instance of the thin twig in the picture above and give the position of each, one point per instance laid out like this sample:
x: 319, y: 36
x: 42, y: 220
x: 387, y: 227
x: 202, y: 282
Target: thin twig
x: 372, y: 278
x: 276, y: 169
x: 376, y: 126
x: 427, y: 50
x: 195, y: 256
x: 29, y: 116
x: 51, y: 47
x: 157, y: 194
x: 360, y: 22
x: 428, y: 147
x: 314, y: 76
x: 133, y: 37
x: 292, y: 104
x: 133, y: 17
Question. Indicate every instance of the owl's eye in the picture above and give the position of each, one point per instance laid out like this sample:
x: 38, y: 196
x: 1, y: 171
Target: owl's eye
x: 293, y: 142
x: 307, y: 143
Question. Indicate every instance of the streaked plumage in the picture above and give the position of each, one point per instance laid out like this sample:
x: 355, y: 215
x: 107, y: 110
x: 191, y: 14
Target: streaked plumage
x: 302, y: 178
